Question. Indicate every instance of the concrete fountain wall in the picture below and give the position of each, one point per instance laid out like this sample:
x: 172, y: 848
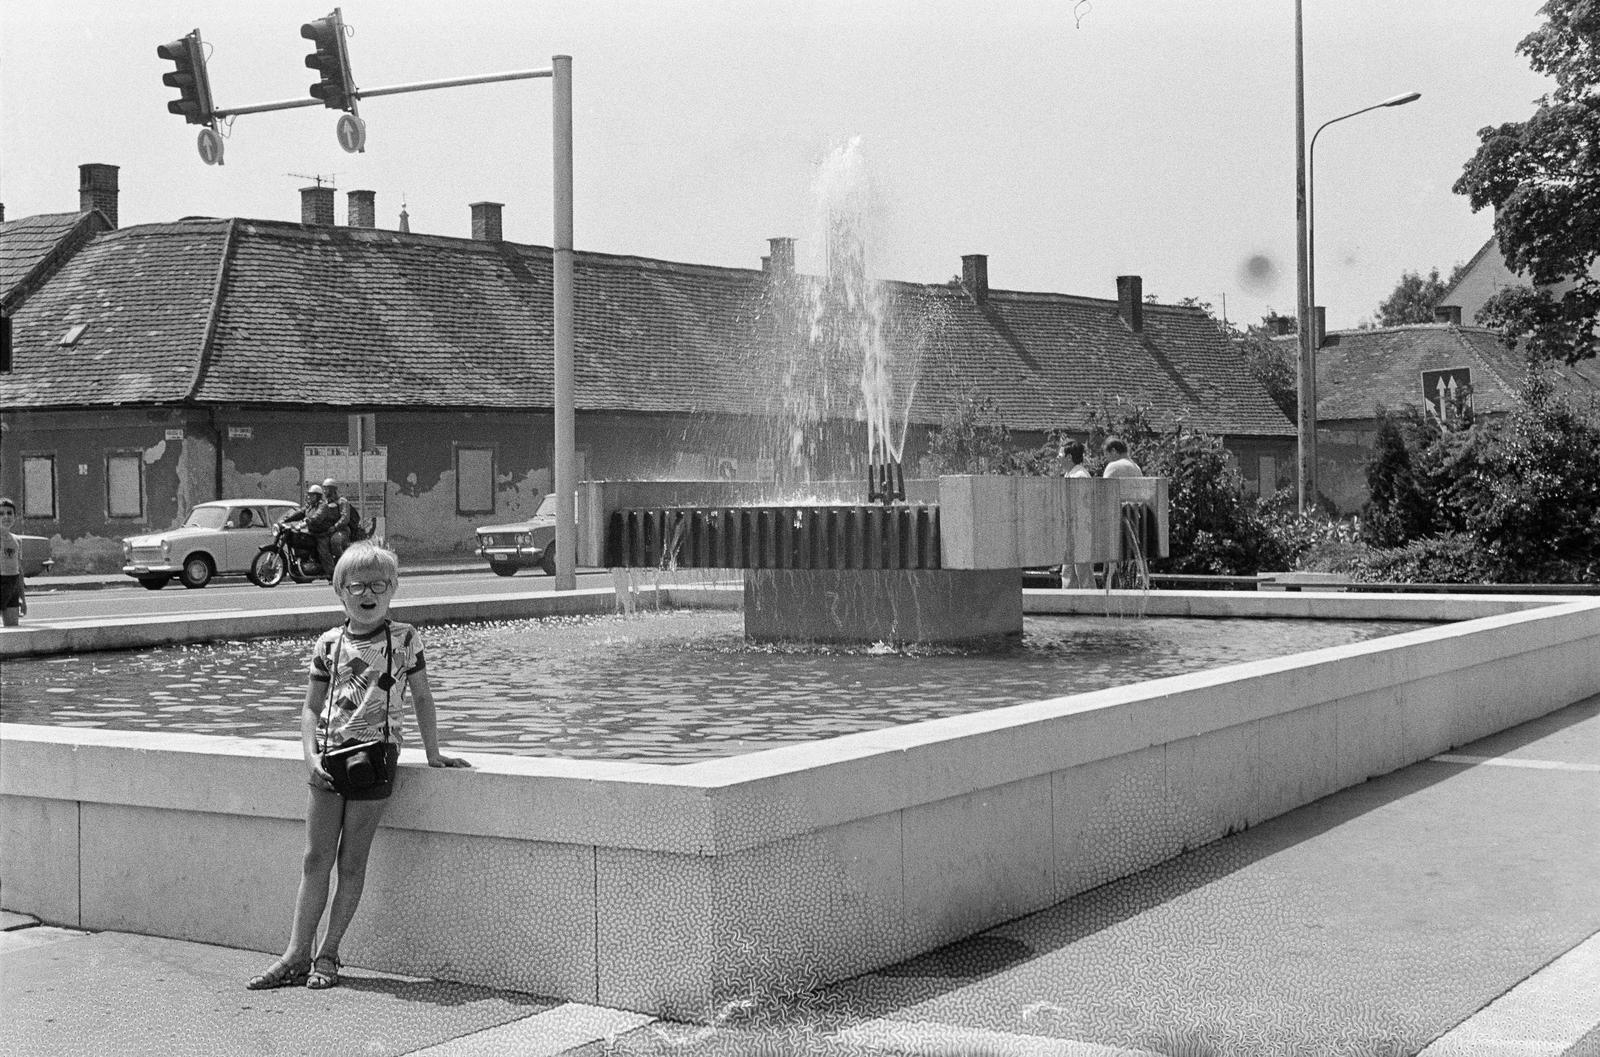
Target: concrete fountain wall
x: 670, y: 889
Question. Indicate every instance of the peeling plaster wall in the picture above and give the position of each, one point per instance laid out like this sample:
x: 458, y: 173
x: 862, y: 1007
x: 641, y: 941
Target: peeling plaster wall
x: 261, y: 452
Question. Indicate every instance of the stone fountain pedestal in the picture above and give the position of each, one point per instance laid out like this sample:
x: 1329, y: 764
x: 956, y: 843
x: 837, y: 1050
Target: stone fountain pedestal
x: 944, y: 566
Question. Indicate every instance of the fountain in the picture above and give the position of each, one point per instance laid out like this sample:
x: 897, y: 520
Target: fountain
x: 676, y: 890
x: 884, y: 560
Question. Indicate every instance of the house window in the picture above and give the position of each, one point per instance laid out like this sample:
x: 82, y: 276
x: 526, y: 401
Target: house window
x: 39, y: 487
x: 1267, y: 474
x: 124, y: 484
x: 474, y: 480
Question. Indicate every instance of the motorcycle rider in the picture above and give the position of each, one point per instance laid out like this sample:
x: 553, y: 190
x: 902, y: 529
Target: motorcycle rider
x: 329, y: 525
x: 298, y: 520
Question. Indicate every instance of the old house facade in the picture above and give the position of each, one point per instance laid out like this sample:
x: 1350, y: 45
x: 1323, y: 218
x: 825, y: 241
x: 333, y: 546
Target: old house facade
x: 159, y: 365
x: 1440, y: 369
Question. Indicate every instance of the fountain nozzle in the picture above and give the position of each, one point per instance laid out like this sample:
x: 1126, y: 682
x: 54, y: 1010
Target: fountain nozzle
x: 885, y: 482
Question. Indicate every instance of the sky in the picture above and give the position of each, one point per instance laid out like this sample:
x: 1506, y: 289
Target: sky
x: 1070, y: 142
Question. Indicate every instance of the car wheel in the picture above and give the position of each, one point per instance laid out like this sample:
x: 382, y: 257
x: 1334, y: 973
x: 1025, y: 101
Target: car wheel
x: 196, y: 571
x: 548, y: 561
x: 153, y: 583
x: 267, y: 569
x: 503, y: 568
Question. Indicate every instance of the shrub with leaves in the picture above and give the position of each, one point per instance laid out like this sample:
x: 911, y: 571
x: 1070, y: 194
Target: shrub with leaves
x: 1531, y: 499
x: 972, y: 438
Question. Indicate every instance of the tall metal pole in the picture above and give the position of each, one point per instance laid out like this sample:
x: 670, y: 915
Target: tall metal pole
x: 1306, y: 374
x: 566, y: 434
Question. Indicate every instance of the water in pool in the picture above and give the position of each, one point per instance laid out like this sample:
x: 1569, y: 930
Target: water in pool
x: 660, y: 687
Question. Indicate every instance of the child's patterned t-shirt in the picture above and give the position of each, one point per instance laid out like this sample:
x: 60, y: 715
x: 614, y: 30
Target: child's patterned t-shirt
x: 367, y: 677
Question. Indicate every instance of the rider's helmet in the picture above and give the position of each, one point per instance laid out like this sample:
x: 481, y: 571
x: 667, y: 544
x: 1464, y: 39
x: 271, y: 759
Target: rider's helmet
x: 315, y: 489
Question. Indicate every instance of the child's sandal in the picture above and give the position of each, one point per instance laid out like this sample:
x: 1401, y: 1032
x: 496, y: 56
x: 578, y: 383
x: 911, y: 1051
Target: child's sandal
x: 283, y: 973
x: 320, y: 979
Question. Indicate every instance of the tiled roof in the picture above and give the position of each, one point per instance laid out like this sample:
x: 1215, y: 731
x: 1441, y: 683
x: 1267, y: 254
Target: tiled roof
x: 1360, y: 371
x: 1447, y: 297
x: 342, y: 316
x: 144, y: 295
x: 29, y: 244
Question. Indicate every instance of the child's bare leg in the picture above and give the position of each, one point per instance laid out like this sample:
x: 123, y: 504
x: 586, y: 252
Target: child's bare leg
x: 324, y: 818
x: 361, y: 818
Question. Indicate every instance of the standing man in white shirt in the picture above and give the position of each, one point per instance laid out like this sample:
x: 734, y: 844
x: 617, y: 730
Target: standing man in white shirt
x: 1117, y: 462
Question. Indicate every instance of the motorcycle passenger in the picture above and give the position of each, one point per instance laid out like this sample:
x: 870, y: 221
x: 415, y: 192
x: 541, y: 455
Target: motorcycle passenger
x: 299, y: 520
x: 329, y: 525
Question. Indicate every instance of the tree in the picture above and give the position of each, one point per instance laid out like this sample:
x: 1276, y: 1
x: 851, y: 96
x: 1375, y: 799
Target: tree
x: 1396, y: 510
x: 971, y: 438
x: 1542, y: 177
x: 1415, y: 297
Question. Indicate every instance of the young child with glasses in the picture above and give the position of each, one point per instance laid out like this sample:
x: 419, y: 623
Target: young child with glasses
x: 360, y: 676
x: 13, y: 589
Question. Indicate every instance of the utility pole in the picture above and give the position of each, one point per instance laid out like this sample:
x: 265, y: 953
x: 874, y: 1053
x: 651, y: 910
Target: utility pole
x: 1306, y: 373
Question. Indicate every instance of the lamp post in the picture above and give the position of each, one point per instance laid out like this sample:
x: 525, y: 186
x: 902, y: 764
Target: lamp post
x: 1306, y: 367
x: 1311, y: 187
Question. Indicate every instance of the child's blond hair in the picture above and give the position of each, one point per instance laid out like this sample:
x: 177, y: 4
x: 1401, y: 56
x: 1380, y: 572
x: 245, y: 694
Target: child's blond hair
x: 365, y: 556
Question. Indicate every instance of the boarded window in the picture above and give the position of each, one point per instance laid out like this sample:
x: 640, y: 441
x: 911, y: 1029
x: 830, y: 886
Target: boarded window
x: 1268, y: 474
x: 474, y: 480
x: 39, y: 486
x: 124, y: 484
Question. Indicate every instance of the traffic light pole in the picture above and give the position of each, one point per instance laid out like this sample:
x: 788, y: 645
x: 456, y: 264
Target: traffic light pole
x: 566, y: 482
x: 565, y: 454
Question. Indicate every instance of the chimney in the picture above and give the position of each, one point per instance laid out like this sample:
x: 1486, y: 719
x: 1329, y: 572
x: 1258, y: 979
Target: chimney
x: 362, y: 211
x: 975, y: 275
x: 486, y: 221
x: 1450, y: 314
x: 1130, y: 301
x: 780, y: 258
x: 97, y: 189
x: 1319, y: 327
x: 316, y: 205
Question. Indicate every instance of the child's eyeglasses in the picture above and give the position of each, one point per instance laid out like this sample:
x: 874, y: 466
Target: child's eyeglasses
x: 377, y: 587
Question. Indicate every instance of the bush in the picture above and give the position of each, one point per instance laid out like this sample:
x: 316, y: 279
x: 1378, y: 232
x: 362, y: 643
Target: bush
x: 1532, y: 498
x: 1451, y: 558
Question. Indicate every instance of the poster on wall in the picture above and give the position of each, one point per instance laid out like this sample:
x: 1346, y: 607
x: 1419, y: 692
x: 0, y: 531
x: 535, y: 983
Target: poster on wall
x: 351, y: 468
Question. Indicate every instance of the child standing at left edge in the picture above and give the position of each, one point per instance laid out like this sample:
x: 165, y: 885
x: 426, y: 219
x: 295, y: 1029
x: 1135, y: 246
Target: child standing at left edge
x: 360, y: 676
x: 13, y: 590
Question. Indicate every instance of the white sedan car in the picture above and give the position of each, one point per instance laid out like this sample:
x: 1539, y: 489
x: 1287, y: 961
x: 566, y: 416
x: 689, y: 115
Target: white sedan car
x: 219, y: 538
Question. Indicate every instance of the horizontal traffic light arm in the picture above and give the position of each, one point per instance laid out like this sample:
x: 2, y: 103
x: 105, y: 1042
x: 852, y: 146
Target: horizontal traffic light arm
x: 366, y: 93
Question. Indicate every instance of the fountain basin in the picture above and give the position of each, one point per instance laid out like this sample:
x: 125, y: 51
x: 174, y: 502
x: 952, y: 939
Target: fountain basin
x: 670, y: 890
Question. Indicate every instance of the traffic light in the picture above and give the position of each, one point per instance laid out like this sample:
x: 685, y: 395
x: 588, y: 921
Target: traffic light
x: 194, y: 87
x: 331, y: 61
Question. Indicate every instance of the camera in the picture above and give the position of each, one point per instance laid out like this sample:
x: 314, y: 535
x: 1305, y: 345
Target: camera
x: 358, y: 772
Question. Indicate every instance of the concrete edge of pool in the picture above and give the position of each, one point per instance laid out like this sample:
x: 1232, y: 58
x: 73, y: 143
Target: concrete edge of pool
x: 641, y: 886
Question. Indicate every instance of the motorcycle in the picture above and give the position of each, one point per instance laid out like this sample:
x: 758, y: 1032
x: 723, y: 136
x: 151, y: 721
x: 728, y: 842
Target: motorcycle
x: 292, y: 553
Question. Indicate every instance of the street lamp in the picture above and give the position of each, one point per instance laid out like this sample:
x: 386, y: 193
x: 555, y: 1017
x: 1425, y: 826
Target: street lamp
x: 1311, y: 188
x: 1306, y: 368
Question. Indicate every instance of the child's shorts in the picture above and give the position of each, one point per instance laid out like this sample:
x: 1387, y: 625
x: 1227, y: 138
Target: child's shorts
x: 11, y: 591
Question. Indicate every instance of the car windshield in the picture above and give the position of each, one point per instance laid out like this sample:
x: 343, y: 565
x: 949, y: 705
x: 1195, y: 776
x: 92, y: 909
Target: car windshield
x: 206, y: 517
x: 547, y: 507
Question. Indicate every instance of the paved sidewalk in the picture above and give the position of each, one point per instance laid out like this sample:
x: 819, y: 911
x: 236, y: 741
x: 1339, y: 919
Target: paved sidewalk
x: 1449, y: 909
